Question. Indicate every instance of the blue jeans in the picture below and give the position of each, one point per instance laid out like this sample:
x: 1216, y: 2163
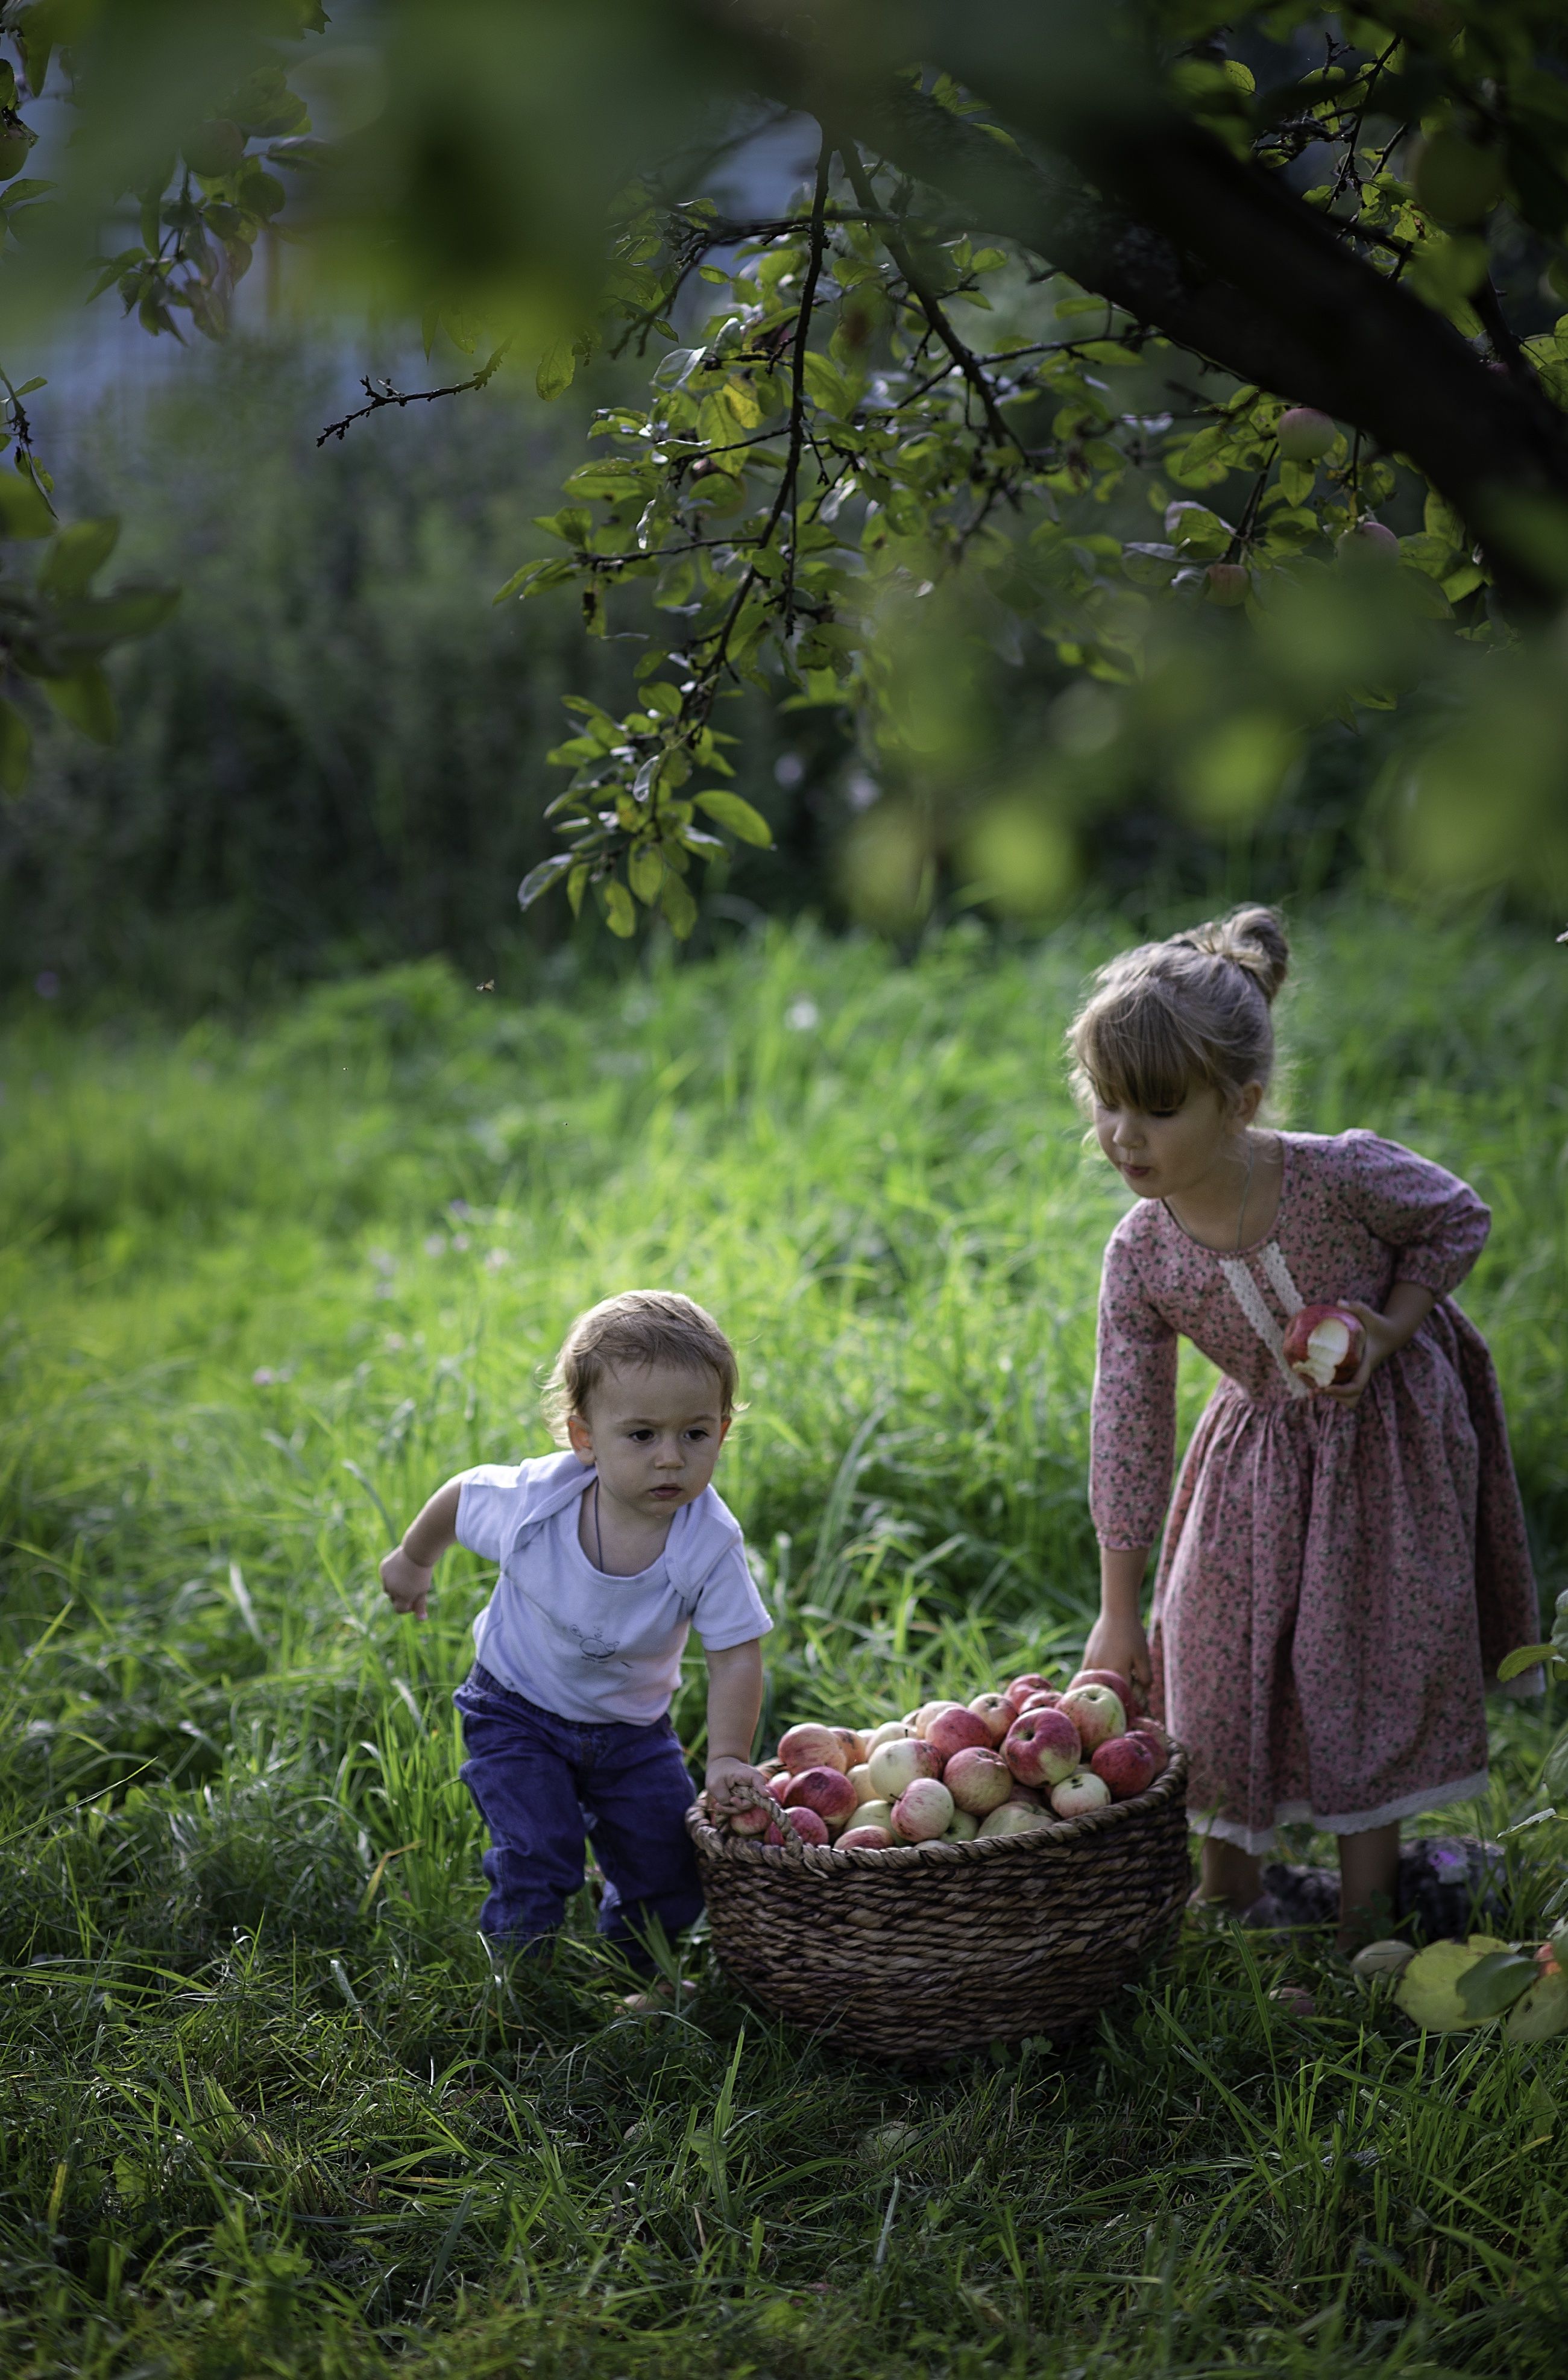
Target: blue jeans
x: 541, y: 1783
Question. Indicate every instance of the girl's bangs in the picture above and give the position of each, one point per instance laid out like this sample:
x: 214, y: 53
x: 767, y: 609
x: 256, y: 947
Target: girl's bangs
x: 1135, y: 1055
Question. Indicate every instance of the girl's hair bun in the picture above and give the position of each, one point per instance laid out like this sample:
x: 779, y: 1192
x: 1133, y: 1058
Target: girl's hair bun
x: 1251, y: 938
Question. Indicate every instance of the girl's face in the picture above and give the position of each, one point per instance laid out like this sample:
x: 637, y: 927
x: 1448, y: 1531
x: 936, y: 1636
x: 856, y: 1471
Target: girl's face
x: 1161, y: 1154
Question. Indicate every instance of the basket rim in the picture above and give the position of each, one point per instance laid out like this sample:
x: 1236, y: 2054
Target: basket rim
x: 833, y: 1860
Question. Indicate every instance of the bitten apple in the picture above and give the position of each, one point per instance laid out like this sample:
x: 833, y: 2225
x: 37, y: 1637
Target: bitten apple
x: 811, y: 1746
x: 893, y: 1766
x: 957, y: 1729
x: 1078, y: 1793
x: 978, y: 1779
x: 1125, y: 1763
x: 826, y: 1791
x: 1324, y: 1345
x: 922, y: 1811
x: 1097, y: 1712
x: 1042, y: 1746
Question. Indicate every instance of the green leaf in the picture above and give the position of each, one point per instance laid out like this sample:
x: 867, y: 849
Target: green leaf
x: 730, y: 811
x: 540, y: 879
x: 15, y: 749
x: 1495, y: 1983
x: 576, y: 886
x: 678, y: 908
x: 129, y: 612
x: 1525, y: 1656
x: 645, y: 869
x: 619, y: 914
x: 23, y: 512
x: 558, y: 369
x: 534, y: 577
x: 85, y: 702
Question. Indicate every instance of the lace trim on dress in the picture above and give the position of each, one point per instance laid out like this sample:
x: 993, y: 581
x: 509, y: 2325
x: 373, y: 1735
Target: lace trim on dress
x: 1272, y: 1259
x: 1250, y: 1297
x: 1259, y: 1839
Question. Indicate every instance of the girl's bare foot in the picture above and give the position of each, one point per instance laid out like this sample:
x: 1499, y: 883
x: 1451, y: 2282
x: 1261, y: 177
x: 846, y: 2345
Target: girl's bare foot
x: 656, y: 1999
x: 1228, y: 1875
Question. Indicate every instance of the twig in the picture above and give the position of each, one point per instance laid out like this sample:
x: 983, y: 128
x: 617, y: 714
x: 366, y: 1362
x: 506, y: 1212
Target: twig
x: 384, y: 395
x: 930, y: 307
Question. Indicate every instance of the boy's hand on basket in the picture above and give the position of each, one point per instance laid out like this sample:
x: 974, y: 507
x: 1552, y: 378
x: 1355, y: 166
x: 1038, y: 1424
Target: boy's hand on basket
x: 405, y: 1584
x: 722, y: 1776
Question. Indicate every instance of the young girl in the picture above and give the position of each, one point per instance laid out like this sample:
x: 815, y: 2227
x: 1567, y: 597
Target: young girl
x: 1342, y: 1568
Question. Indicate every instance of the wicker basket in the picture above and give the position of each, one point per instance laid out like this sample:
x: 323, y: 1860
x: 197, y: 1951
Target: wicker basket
x: 927, y: 1948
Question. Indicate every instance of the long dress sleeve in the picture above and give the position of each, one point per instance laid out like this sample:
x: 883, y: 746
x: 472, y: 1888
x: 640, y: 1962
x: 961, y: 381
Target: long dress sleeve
x: 1132, y: 1419
x: 1433, y: 1220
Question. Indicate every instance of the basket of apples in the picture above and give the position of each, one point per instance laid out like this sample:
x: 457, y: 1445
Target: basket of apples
x: 972, y: 1872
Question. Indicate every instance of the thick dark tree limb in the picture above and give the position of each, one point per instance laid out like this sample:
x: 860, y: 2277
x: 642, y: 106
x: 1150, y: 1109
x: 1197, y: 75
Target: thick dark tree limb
x: 1140, y: 204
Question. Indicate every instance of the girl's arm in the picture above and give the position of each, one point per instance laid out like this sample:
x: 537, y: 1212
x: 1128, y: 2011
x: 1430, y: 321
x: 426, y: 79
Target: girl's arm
x: 1117, y: 1640
x: 406, y: 1570
x: 735, y: 1705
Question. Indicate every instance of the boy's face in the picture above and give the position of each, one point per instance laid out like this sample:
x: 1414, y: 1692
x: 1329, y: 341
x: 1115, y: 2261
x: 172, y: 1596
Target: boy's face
x: 654, y: 1433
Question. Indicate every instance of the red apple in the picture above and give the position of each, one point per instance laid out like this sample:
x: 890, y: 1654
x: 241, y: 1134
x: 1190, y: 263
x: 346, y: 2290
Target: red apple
x: 1096, y: 1712
x: 978, y: 1779
x: 956, y: 1730
x: 1304, y: 433
x: 1019, y: 1689
x: 1368, y: 541
x: 808, y: 1827
x: 854, y: 1746
x: 1030, y: 1795
x: 1082, y: 1791
x: 1158, y: 1741
x: 929, y: 1711
x: 1041, y: 1746
x: 749, y: 1822
x: 1230, y: 583
x: 1111, y: 1678
x: 866, y: 1839
x: 826, y: 1791
x: 1125, y: 1763
x: 893, y: 1766
x: 922, y: 1811
x: 1324, y: 1345
x: 811, y: 1746
x: 1047, y: 1699
x: 997, y: 1712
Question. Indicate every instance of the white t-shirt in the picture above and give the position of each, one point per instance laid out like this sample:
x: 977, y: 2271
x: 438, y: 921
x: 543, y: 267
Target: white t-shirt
x: 570, y: 1637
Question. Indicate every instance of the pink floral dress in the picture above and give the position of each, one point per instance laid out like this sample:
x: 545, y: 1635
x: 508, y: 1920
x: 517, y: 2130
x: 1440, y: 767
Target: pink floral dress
x: 1336, y: 1581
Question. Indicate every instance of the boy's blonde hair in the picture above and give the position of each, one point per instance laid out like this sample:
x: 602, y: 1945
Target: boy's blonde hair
x: 1192, y: 1010
x: 628, y: 1333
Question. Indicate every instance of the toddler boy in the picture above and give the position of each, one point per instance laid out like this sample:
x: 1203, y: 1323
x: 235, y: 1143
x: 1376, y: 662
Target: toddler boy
x: 609, y: 1552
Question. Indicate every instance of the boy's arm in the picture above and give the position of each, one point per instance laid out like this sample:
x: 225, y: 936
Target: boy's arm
x: 735, y: 1704
x: 406, y: 1570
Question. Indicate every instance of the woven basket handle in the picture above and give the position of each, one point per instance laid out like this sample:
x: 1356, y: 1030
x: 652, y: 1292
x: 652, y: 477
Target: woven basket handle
x: 751, y: 1799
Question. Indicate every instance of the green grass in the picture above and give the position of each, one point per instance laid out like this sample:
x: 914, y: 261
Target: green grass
x: 265, y: 2109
